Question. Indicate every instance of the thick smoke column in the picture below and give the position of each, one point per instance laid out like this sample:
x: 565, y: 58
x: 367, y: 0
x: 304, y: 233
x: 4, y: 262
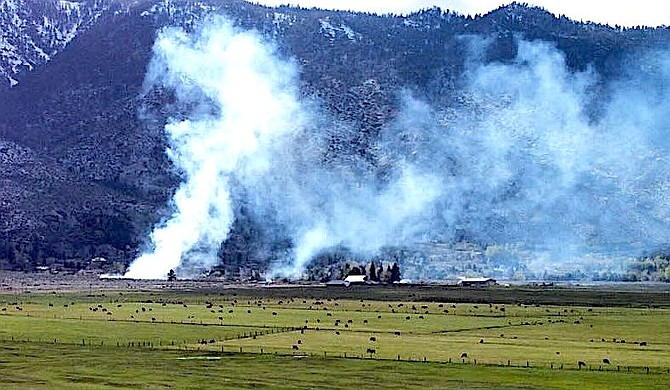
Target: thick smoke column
x: 242, y: 99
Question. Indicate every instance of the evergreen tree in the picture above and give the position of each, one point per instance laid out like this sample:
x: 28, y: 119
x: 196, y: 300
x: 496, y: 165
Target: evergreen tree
x: 373, y: 272
x: 395, y: 273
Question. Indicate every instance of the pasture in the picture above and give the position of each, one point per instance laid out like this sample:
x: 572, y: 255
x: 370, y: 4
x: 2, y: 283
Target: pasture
x: 311, y: 338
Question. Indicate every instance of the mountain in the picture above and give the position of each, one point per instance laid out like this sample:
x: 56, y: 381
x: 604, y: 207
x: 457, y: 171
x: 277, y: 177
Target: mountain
x: 82, y: 149
x: 34, y: 32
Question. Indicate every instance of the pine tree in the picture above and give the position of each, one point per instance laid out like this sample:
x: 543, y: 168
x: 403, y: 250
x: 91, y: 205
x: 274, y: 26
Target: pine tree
x: 373, y: 272
x: 395, y: 273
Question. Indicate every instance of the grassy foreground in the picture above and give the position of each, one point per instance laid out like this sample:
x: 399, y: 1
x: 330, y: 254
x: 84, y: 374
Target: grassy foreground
x: 200, y: 340
x: 38, y: 366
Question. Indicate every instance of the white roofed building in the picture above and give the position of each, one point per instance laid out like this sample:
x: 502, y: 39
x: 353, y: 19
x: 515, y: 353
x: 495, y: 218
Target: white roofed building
x: 356, y: 279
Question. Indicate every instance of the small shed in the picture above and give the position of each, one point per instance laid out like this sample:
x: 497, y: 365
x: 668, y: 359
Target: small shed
x: 477, y: 282
x: 356, y: 279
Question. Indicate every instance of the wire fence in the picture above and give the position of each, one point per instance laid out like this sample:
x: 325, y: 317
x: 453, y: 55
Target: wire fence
x: 209, y: 347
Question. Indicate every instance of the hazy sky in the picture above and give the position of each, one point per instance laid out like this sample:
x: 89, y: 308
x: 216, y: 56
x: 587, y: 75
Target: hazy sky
x: 622, y: 12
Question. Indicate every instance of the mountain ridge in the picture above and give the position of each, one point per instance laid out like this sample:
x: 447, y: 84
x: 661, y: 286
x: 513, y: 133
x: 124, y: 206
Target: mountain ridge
x: 82, y: 143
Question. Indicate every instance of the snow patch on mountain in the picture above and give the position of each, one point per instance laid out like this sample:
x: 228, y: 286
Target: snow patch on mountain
x: 33, y: 32
x: 332, y: 32
x: 185, y: 14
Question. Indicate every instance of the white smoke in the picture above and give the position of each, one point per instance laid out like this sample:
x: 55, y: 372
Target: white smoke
x: 521, y: 159
x: 529, y: 161
x: 248, y: 129
x: 244, y: 99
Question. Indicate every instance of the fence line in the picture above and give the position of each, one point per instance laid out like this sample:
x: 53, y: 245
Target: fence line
x: 237, y: 350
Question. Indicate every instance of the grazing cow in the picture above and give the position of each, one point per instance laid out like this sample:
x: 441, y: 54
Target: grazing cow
x: 643, y: 343
x: 299, y: 341
x: 397, y: 333
x: 371, y: 350
x: 295, y: 348
x: 606, y: 361
x: 373, y: 338
x: 464, y: 355
x: 581, y: 364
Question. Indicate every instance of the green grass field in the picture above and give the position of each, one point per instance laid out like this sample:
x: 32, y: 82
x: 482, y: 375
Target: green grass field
x: 197, y: 340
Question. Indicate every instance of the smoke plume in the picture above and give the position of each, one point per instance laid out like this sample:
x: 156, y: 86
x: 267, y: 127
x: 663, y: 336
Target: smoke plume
x: 242, y: 99
x: 527, y: 154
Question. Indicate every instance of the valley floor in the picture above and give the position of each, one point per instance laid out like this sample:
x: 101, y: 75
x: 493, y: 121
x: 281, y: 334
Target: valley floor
x: 65, y: 334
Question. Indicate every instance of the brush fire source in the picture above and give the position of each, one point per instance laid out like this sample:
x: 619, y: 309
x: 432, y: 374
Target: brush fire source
x: 522, y: 165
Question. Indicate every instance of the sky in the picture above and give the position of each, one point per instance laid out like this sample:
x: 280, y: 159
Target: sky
x: 622, y: 12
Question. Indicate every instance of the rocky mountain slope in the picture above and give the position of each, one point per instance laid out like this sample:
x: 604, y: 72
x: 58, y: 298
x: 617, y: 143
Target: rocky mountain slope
x: 82, y: 162
x: 34, y: 32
